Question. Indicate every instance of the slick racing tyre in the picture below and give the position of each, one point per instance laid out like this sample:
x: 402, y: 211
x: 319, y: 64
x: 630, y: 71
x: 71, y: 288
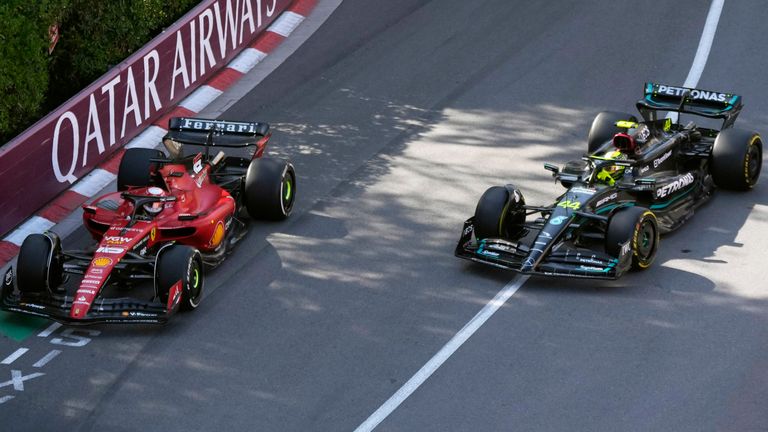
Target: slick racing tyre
x: 640, y: 227
x: 39, y: 265
x: 136, y: 168
x: 180, y: 263
x: 270, y: 189
x: 737, y: 157
x: 604, y: 128
x: 500, y: 213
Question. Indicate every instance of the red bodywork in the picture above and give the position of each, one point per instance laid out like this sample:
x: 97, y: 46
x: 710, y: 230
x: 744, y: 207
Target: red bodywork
x: 200, y: 217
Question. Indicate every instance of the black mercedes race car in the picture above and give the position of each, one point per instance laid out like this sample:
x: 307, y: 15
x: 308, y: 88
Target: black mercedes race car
x: 639, y: 179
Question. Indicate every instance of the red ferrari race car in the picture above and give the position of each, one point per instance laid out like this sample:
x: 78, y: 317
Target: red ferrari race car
x: 172, y: 216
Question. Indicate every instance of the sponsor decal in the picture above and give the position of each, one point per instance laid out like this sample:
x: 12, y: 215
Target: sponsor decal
x: 153, y: 234
x: 516, y: 195
x: 9, y: 277
x: 90, y: 282
x: 110, y: 250
x: 197, y: 164
x: 660, y: 160
x: 568, y: 204
x: 218, y: 234
x: 81, y: 298
x: 583, y: 190
x: 32, y: 305
x: 96, y: 271
x: 644, y: 169
x: 591, y: 268
x: 136, y: 314
x: 546, y: 234
x: 500, y: 247
x: 86, y: 291
x: 625, y: 248
x: 199, y: 180
x: 528, y: 262
x: 141, y: 243
x: 137, y: 230
x: 102, y: 262
x: 695, y: 94
x: 467, y: 230
x: 558, y: 220
x: 677, y: 184
x: 487, y: 253
x: 204, y: 125
x: 591, y: 260
x: 116, y: 240
x: 607, y: 199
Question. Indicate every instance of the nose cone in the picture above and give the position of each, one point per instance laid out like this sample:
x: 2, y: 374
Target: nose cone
x: 90, y: 286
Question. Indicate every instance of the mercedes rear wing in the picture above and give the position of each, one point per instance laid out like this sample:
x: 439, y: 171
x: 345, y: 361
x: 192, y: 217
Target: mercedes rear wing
x: 705, y: 103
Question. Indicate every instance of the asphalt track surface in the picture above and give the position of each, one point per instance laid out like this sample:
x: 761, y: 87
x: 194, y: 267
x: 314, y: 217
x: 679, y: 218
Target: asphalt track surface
x: 397, y: 116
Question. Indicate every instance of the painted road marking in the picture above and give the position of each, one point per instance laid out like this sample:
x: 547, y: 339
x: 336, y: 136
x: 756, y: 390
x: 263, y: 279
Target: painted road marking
x: 19, y: 327
x: 5, y: 399
x: 444, y: 354
x: 47, y: 358
x: 17, y: 379
x: 702, y: 53
x: 13, y: 357
x: 705, y: 43
x: 51, y: 328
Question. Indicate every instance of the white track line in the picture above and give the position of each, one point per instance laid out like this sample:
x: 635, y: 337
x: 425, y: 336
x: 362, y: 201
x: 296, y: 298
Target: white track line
x: 48, y: 357
x: 13, y: 357
x: 705, y: 43
x: 702, y: 53
x: 48, y: 331
x: 444, y: 354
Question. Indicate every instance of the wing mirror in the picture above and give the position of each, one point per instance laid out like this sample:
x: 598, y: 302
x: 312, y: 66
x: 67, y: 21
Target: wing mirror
x: 551, y: 167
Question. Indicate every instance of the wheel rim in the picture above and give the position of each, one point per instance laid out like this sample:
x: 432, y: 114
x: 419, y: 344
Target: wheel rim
x: 287, y: 193
x: 194, y: 282
x: 646, y: 240
x: 754, y: 163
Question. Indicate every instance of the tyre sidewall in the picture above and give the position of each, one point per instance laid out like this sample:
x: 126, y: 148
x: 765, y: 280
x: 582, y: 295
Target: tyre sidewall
x: 269, y: 189
x: 731, y: 159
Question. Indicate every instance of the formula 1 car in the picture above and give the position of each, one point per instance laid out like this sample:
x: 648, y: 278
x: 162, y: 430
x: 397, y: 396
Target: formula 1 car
x: 171, y: 217
x: 639, y: 179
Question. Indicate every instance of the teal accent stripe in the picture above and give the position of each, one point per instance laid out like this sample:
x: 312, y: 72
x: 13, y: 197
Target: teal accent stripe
x: 667, y: 203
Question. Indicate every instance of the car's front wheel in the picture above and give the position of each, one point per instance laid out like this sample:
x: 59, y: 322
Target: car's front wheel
x: 500, y: 213
x: 180, y: 263
x: 639, y: 226
x: 39, y: 266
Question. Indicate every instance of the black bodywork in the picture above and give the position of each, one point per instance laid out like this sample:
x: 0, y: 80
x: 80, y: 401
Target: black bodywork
x: 669, y: 174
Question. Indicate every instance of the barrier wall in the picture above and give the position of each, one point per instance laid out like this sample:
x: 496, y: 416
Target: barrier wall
x: 68, y: 143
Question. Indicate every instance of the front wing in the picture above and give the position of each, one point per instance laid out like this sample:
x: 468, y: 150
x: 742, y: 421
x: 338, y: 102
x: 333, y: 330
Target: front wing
x: 57, y: 306
x: 561, y: 262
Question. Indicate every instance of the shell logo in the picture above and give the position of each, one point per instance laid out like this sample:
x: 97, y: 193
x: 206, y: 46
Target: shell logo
x: 218, y: 234
x: 102, y: 262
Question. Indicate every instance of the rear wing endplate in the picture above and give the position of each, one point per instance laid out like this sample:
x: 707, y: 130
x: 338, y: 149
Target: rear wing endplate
x: 705, y: 103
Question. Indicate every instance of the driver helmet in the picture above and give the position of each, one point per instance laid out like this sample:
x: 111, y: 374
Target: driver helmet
x: 610, y: 174
x: 154, y: 208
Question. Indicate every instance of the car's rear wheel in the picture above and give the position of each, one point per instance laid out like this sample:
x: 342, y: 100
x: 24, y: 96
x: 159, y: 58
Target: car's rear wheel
x: 180, y: 263
x: 136, y: 167
x: 39, y: 265
x: 639, y: 226
x: 270, y: 189
x: 737, y: 158
x: 604, y: 128
x: 500, y: 213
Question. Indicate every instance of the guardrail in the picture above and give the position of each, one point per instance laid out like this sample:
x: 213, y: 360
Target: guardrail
x: 69, y: 142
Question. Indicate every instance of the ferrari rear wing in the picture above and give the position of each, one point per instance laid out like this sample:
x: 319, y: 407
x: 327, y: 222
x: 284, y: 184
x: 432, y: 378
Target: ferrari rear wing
x: 705, y: 103
x: 216, y: 133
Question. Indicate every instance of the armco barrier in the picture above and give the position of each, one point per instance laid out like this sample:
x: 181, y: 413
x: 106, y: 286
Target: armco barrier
x: 68, y: 143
